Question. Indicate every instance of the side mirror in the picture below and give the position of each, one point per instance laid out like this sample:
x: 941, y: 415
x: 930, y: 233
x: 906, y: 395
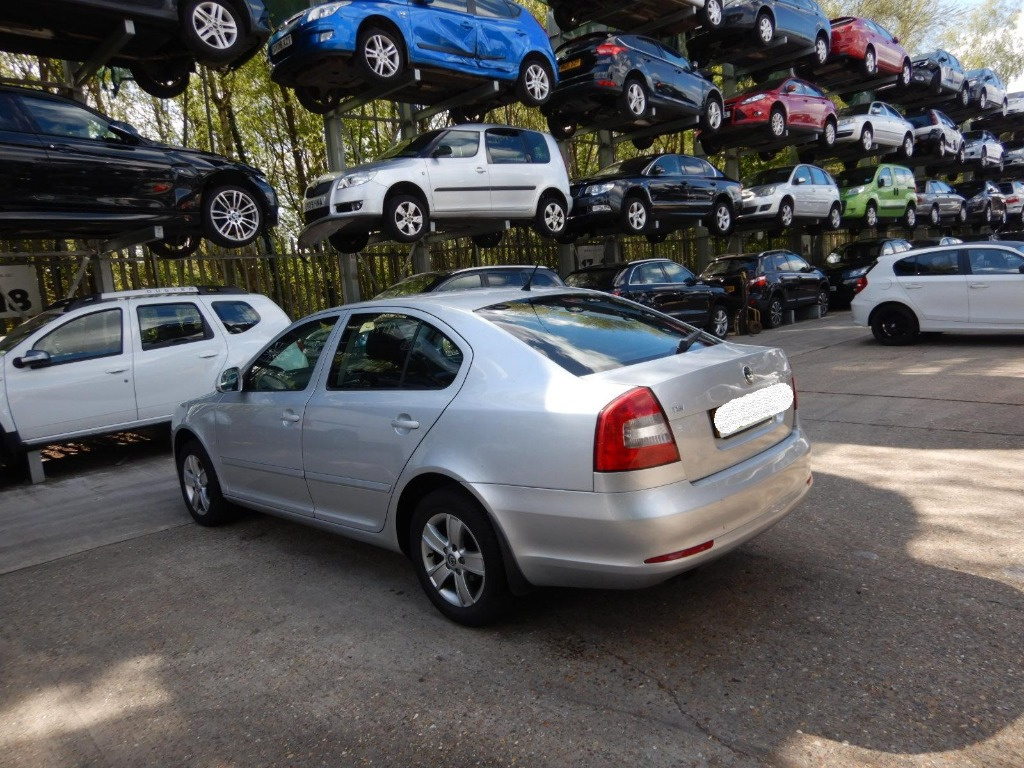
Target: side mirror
x: 229, y: 381
x: 883, y: 182
x: 34, y: 358
x: 444, y: 150
x: 799, y: 180
x: 124, y: 131
x: 656, y: 171
x: 895, y: 39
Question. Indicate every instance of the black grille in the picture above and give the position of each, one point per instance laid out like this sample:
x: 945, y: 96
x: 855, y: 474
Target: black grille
x: 315, y: 214
x: 319, y: 189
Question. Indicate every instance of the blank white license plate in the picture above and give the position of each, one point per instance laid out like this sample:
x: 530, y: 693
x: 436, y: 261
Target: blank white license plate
x: 280, y: 45
x: 314, y: 202
x: 754, y: 408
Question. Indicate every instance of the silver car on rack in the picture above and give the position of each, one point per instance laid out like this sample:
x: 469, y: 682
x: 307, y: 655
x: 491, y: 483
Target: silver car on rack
x: 875, y: 125
x: 793, y: 192
x: 987, y: 90
x: 505, y: 439
x: 984, y: 147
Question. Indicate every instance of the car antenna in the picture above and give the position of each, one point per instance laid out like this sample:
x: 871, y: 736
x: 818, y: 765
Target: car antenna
x: 528, y: 285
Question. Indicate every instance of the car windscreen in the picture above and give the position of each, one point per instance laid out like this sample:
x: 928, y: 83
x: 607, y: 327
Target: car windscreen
x: 856, y: 109
x: 920, y: 121
x: 856, y: 177
x: 970, y: 188
x: 597, y: 279
x: 413, y: 147
x: 724, y: 267
x: 585, y: 333
x: 973, y: 136
x: 770, y: 176
x: 30, y: 326
x: 421, y: 283
x: 632, y: 167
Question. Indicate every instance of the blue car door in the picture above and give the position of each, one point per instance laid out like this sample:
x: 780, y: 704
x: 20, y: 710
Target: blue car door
x: 444, y: 33
x: 502, y: 40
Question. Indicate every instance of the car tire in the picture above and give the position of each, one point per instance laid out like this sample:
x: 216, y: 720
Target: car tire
x: 711, y: 119
x: 722, y: 219
x: 461, y: 115
x: 983, y: 100
x: 907, y: 147
x: 656, y: 237
x: 961, y: 215
x: 906, y: 75
x: 935, y: 86
x: 718, y: 322
x: 381, y: 55
x: 987, y: 215
x: 560, y: 127
x: 870, y: 63
x: 775, y: 312
x: 712, y: 14
x: 348, y: 242
x: 821, y: 45
x: 635, y: 99
x: 777, y: 122
x: 213, y: 30
x: 828, y: 133
x: 910, y: 217
x: 551, y: 218
x: 566, y: 20
x: 200, y: 487
x: 710, y: 144
x: 232, y: 217
x: 643, y: 143
x: 934, y: 216
x: 871, y: 216
x: 406, y: 218
x: 835, y: 217
x: 867, y: 139
x: 161, y: 80
x: 317, y: 100
x: 488, y: 239
x: 964, y: 96
x: 180, y: 247
x: 786, y: 213
x: 457, y: 558
x: 535, y: 83
x: 894, y: 326
x: 1006, y: 107
x: 823, y: 299
x: 636, y: 215
x: 764, y: 29
x: 961, y: 155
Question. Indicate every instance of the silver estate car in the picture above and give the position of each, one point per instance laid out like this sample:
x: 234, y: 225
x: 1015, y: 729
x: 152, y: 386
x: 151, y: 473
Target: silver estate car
x: 472, y: 176
x: 792, y: 192
x: 504, y: 439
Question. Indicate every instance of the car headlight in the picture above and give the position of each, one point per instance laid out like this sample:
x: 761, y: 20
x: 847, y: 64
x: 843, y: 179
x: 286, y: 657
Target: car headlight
x: 599, y: 189
x: 856, y: 273
x: 846, y: 121
x: 323, y: 11
x: 355, y: 179
x: 752, y: 99
x: 853, y: 190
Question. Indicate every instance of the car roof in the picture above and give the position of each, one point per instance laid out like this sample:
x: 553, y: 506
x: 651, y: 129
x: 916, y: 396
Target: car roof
x: 460, y: 301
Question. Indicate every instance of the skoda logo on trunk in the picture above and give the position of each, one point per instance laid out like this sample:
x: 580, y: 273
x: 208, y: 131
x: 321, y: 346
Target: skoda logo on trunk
x: 748, y: 374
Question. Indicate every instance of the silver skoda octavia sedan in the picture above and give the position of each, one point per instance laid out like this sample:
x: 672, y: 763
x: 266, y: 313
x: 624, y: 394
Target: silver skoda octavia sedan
x: 504, y: 439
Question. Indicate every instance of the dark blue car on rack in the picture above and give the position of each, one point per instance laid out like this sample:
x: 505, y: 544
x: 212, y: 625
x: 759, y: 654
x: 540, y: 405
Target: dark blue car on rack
x: 338, y: 49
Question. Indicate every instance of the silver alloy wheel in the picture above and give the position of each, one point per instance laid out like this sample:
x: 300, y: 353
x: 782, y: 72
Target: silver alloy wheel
x: 910, y: 217
x: 775, y: 312
x: 215, y: 25
x: 713, y: 115
x: 983, y: 100
x: 235, y: 215
x: 196, y: 483
x: 636, y: 215
x: 777, y: 123
x: 942, y: 147
x: 1006, y: 107
x: 871, y: 216
x: 961, y: 215
x: 821, y: 50
x: 382, y: 56
x: 713, y: 12
x: 867, y: 139
x: 823, y: 298
x: 537, y: 82
x: 829, y: 136
x: 786, y: 214
x: 965, y: 97
x: 835, y: 217
x: 723, y: 217
x: 765, y: 29
x: 906, y: 75
x: 869, y: 62
x: 934, y: 216
x: 452, y: 559
x: 908, y: 146
x: 409, y: 219
x: 554, y: 216
x: 636, y: 99
x: 719, y: 321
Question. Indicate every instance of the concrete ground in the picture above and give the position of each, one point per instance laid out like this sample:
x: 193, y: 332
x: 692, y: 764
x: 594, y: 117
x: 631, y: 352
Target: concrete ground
x: 881, y: 624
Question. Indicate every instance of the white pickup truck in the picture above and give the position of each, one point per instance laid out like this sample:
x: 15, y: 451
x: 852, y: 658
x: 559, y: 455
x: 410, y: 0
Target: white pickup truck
x: 122, y: 360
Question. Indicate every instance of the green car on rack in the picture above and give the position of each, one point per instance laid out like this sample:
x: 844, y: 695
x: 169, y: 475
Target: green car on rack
x: 870, y: 194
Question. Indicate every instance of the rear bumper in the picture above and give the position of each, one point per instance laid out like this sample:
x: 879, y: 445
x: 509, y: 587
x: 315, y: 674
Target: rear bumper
x: 601, y: 540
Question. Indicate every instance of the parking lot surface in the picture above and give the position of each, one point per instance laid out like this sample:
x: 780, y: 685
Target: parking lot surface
x: 881, y: 624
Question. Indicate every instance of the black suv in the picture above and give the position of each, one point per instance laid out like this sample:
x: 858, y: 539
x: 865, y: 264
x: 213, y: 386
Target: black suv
x: 775, y: 281
x: 850, y: 261
x: 503, y: 276
x: 169, y: 36
x: 68, y: 171
x: 663, y: 285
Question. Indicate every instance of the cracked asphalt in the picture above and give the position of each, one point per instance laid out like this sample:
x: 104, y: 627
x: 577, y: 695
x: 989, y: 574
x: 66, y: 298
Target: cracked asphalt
x: 878, y: 625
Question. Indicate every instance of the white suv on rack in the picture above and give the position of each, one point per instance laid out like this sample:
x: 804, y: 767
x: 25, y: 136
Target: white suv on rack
x: 122, y: 360
x: 471, y: 178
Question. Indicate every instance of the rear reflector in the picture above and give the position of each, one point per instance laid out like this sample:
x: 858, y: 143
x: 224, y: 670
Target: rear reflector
x: 633, y: 433
x: 681, y: 553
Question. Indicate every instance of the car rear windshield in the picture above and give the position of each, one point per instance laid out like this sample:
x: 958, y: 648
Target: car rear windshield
x: 770, y: 176
x: 421, y: 283
x: 596, y: 279
x: 920, y: 121
x: 971, y: 188
x: 852, y: 252
x: 587, y: 334
x: 724, y: 267
x: 856, y: 177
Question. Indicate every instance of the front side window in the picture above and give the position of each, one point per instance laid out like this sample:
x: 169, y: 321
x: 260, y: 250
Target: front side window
x: 494, y: 9
x: 392, y: 351
x: 163, y: 325
x: 462, y: 143
x: 98, y: 334
x: 237, y: 316
x: 665, y: 166
x: 678, y: 273
x: 287, y: 364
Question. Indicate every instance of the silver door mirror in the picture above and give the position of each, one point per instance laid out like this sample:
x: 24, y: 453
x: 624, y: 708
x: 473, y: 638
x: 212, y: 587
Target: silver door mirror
x: 34, y: 358
x: 230, y: 381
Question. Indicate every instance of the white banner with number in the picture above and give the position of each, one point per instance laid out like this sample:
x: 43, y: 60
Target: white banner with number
x: 19, y: 291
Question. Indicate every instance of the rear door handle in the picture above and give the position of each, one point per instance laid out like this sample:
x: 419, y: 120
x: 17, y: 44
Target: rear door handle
x: 210, y: 353
x: 405, y: 423
x: 979, y: 285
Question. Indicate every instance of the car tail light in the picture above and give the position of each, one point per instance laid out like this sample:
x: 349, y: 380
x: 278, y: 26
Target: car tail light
x: 860, y: 285
x: 633, y: 433
x: 920, y: 199
x: 759, y: 282
x: 610, y: 49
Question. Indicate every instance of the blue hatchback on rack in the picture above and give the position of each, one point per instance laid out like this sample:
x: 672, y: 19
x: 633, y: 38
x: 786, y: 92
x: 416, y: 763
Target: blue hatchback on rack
x: 340, y: 49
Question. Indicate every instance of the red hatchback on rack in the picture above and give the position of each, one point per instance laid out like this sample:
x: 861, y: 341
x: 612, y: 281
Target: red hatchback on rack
x: 870, y: 44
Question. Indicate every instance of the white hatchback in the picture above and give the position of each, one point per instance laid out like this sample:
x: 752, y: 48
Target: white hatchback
x: 967, y: 288
x: 472, y: 177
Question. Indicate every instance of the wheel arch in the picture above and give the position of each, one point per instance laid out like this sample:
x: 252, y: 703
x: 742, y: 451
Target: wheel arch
x: 408, y: 188
x: 388, y: 25
x: 892, y: 305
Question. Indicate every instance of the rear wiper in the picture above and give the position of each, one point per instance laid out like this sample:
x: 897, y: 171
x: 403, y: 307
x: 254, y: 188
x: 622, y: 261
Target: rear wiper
x: 687, y: 341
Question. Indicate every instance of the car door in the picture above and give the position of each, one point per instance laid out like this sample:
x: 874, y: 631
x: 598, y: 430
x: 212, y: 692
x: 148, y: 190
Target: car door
x: 459, y: 175
x: 259, y: 428
x: 501, y: 41
x: 802, y: 189
x: 178, y: 356
x: 96, y: 172
x: 445, y: 33
x: 513, y: 176
x: 24, y: 175
x: 667, y: 187
x: 825, y: 192
x: 390, y: 379
x: 995, y: 286
x: 886, y: 193
x: 886, y: 48
x: 935, y: 285
x: 87, y: 383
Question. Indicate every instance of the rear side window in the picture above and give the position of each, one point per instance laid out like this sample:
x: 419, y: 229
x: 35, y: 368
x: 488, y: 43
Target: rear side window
x: 536, y: 147
x: 161, y: 325
x: 237, y: 316
x: 587, y: 334
x: 506, y: 147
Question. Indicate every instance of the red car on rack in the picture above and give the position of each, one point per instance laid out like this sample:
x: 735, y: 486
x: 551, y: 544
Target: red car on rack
x: 872, y: 46
x: 777, y: 108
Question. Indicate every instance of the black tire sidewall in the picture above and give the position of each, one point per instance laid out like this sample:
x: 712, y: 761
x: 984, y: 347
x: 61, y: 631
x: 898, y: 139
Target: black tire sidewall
x: 220, y: 511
